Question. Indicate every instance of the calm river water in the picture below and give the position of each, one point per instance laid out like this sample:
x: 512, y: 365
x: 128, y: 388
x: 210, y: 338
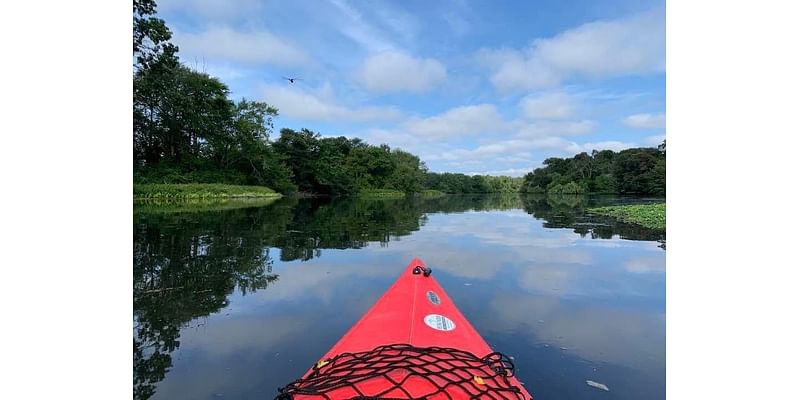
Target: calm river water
x: 232, y: 301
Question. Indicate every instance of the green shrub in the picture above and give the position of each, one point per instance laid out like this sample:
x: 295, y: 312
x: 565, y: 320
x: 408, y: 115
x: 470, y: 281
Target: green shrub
x: 567, y: 188
x: 604, y: 184
x: 653, y: 216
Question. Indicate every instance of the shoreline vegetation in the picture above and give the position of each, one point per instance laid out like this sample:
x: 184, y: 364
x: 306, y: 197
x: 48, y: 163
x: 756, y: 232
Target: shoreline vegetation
x: 653, y: 216
x: 396, y: 194
x: 196, y: 205
x: 170, y: 194
x: 184, y: 191
x: 381, y: 194
x: 640, y: 171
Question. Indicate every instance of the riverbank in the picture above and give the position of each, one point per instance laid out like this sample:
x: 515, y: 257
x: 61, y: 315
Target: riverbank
x: 178, y: 205
x: 396, y: 194
x: 381, y: 194
x: 653, y: 216
x: 200, y: 191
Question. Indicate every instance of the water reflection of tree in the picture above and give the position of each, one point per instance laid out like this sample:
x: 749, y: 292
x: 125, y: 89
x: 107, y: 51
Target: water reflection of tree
x: 348, y: 223
x: 185, y: 266
x: 475, y: 202
x: 570, y: 212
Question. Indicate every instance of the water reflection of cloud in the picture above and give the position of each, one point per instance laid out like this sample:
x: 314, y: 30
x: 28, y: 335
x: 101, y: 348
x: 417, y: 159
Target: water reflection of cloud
x: 549, y: 266
x: 220, y: 336
x: 476, y: 245
x: 546, y: 279
x: 500, y: 228
x: 595, y: 333
x: 205, y: 380
x: 644, y: 265
x: 318, y: 279
x: 472, y: 245
x: 230, y: 343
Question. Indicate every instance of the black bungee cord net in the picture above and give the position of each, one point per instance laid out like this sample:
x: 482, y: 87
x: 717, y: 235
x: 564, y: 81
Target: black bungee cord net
x: 386, y: 373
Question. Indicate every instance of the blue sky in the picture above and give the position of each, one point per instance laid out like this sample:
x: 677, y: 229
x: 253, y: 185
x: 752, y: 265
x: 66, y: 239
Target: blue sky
x: 489, y: 87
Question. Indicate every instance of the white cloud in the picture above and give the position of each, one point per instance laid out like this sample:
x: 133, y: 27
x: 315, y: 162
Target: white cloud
x: 557, y: 105
x: 224, y: 71
x: 400, y: 22
x: 607, y: 145
x: 608, y: 48
x: 491, y: 150
x: 321, y: 105
x: 458, y: 121
x: 551, y: 128
x: 655, y: 140
x: 516, y: 172
x: 256, y: 47
x: 601, y: 49
x: 397, y: 71
x: 522, y: 148
x: 569, y: 147
x: 517, y: 71
x: 646, y: 121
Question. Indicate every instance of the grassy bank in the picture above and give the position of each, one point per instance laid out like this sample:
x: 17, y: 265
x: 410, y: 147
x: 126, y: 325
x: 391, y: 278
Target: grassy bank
x: 653, y: 216
x: 199, y: 191
x: 381, y: 194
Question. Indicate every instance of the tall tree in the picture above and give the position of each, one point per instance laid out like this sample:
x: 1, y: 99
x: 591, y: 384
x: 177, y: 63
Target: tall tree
x: 151, y: 37
x: 176, y: 111
x: 408, y: 172
x: 300, y: 150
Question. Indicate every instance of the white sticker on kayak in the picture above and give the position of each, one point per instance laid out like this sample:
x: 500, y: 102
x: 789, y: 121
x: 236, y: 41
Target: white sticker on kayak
x: 439, y: 322
x: 433, y: 298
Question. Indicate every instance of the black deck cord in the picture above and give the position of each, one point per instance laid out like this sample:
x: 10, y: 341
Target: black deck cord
x: 426, y: 272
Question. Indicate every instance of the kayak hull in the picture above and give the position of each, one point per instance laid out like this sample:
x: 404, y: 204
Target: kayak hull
x: 415, y: 315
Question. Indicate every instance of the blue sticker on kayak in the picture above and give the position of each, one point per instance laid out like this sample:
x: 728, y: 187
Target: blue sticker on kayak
x: 439, y: 322
x: 433, y: 298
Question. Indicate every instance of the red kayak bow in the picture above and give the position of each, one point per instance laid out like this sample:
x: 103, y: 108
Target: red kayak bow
x: 412, y: 344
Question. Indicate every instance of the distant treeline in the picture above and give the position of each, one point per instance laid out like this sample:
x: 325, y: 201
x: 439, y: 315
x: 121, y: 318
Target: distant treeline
x: 460, y: 183
x: 187, y: 130
x: 631, y: 171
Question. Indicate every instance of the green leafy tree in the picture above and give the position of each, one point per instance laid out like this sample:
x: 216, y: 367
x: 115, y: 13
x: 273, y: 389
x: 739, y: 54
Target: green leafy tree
x: 151, y: 37
x: 635, y: 171
x: 408, y: 172
x: 330, y: 171
x: 176, y: 112
x: 300, y: 150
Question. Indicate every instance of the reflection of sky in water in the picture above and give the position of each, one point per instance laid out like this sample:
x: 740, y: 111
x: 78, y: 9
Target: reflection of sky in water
x: 567, y: 308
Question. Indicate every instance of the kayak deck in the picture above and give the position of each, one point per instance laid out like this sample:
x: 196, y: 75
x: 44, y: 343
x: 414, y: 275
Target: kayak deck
x: 412, y: 343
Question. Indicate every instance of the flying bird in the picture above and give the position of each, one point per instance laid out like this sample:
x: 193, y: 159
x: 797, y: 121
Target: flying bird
x: 291, y: 80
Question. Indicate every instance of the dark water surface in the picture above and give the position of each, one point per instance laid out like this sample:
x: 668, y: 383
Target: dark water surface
x: 231, y: 302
